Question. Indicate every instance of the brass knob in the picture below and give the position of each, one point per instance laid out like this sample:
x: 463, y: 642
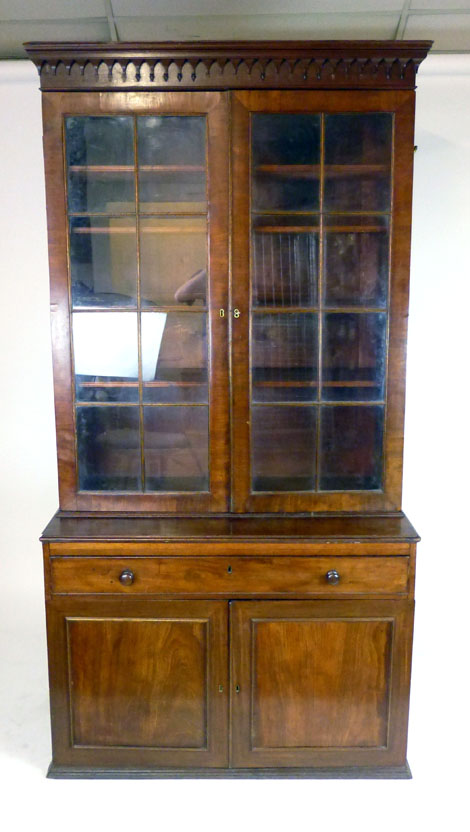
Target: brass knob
x: 126, y: 577
x: 332, y: 577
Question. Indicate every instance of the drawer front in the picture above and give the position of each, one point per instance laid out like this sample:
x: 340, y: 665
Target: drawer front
x: 232, y: 577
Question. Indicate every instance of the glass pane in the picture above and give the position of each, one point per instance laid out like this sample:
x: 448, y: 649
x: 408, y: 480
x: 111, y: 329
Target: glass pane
x: 356, y: 256
x: 105, y: 356
x: 285, y: 260
x: 284, y: 357
x: 351, y: 447
x: 108, y: 448
x: 100, y: 159
x: 286, y: 161
x: 103, y: 261
x: 174, y: 357
x: 358, y: 152
x: 176, y: 442
x: 173, y: 254
x: 354, y: 353
x: 283, y: 448
x: 172, y: 163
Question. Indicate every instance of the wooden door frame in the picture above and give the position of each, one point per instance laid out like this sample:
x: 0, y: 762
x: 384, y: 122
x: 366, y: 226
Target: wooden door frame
x: 401, y: 104
x: 66, y: 754
x: 242, y: 616
x: 215, y: 105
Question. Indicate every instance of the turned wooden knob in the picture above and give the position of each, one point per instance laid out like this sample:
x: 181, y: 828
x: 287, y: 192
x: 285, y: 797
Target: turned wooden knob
x: 332, y: 577
x: 126, y: 577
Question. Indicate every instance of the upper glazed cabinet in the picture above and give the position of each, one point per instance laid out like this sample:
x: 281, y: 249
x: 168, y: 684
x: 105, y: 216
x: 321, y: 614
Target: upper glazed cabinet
x: 229, y: 276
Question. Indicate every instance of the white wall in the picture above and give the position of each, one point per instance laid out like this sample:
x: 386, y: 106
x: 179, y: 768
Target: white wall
x: 435, y: 485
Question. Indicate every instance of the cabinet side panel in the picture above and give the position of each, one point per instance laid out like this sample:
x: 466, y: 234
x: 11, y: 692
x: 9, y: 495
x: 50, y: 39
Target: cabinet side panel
x: 399, y: 294
x: 60, y: 316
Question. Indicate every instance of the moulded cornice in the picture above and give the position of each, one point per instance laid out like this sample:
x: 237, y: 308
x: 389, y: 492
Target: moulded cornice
x: 229, y: 65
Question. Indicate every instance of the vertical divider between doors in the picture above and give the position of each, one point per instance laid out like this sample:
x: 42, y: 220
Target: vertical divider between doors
x: 240, y: 347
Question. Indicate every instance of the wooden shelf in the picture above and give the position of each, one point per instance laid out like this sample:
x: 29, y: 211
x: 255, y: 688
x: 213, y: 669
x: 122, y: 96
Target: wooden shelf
x: 330, y: 171
x: 308, y: 229
x: 131, y: 168
x: 131, y: 229
x: 315, y: 384
x: 101, y: 384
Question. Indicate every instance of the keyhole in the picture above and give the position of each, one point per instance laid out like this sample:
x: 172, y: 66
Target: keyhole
x: 229, y: 570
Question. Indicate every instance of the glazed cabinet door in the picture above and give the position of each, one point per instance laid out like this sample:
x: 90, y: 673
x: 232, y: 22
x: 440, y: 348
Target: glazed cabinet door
x: 137, y: 196
x: 139, y: 684
x: 321, y: 213
x: 320, y: 683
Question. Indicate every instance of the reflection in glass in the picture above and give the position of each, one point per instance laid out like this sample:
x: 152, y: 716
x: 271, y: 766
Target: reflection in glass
x: 176, y: 446
x: 105, y: 356
x: 354, y: 351
x: 285, y: 261
x: 351, y: 446
x: 174, y: 357
x: 100, y: 159
x: 103, y: 261
x: 283, y: 448
x: 358, y: 149
x: 284, y: 357
x: 172, y: 163
x: 356, y: 254
x: 108, y: 448
x: 173, y: 254
x: 286, y: 160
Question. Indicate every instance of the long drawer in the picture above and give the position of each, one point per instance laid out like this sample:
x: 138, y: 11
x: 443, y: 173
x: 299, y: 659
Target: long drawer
x: 230, y: 576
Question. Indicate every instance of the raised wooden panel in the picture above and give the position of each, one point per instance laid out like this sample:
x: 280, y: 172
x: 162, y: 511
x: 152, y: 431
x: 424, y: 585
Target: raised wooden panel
x: 231, y: 576
x: 139, y: 683
x: 320, y: 683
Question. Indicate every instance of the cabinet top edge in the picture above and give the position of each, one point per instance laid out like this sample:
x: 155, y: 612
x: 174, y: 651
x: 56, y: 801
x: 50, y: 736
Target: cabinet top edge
x: 361, y: 64
x: 395, y: 529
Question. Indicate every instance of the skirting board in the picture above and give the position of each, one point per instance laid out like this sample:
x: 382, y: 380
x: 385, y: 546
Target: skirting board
x: 347, y: 773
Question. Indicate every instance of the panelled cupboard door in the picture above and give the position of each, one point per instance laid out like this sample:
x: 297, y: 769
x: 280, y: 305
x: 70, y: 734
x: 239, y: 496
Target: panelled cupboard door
x: 320, y: 683
x: 137, y: 201
x: 139, y: 684
x: 321, y: 238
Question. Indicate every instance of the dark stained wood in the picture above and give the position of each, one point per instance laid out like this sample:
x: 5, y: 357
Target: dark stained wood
x: 138, y: 683
x: 329, y: 527
x: 320, y: 683
x: 229, y: 65
x: 231, y: 577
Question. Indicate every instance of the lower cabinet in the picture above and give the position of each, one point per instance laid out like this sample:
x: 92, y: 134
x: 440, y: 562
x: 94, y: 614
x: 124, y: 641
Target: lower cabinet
x: 145, y: 684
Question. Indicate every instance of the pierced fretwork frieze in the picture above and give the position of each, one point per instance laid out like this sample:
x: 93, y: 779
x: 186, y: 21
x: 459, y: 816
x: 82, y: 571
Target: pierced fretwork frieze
x: 382, y: 65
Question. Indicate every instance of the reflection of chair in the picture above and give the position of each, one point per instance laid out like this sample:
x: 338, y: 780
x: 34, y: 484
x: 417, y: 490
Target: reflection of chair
x: 194, y: 288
